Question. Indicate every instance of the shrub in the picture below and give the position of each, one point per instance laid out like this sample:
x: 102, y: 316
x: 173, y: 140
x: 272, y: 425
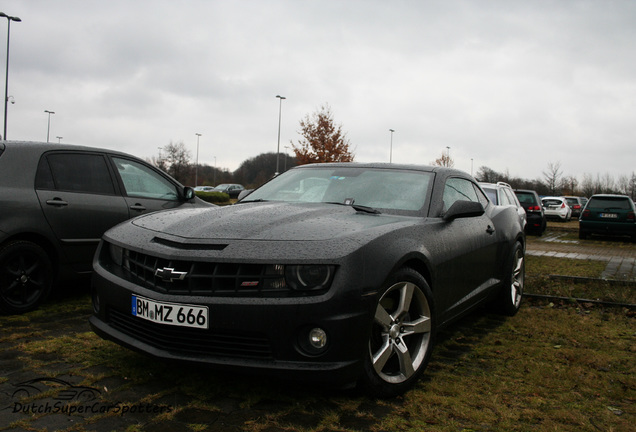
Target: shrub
x: 214, y: 197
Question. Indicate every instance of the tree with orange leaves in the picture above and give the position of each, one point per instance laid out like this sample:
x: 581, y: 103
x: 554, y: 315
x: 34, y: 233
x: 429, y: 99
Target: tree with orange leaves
x: 322, y: 141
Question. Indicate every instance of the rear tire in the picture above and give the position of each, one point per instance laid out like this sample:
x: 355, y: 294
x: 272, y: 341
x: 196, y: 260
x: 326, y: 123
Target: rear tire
x: 510, y: 296
x: 402, y: 335
x: 26, y: 276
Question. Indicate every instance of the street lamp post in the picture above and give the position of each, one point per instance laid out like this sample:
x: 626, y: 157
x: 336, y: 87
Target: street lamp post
x: 59, y: 139
x: 196, y: 168
x: 48, y: 128
x: 6, y: 77
x: 391, y: 148
x: 280, y: 107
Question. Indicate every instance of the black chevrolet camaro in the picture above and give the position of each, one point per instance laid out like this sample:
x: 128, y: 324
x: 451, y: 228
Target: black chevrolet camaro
x: 341, y: 272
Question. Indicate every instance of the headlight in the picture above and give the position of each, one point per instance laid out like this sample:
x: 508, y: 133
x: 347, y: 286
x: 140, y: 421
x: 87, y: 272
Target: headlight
x: 116, y: 253
x: 308, y: 277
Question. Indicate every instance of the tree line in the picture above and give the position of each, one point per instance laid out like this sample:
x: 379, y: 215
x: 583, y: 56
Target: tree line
x: 322, y: 140
x: 555, y: 182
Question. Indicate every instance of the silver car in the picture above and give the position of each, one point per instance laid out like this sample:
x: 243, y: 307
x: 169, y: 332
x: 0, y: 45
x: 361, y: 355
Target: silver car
x: 501, y: 194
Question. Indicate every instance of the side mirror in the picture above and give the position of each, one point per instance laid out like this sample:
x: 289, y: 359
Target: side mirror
x: 244, y: 193
x: 188, y: 193
x: 462, y: 209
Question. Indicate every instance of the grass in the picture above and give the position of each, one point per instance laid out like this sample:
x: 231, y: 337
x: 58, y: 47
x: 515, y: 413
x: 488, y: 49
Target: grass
x: 554, y: 366
x: 581, y: 280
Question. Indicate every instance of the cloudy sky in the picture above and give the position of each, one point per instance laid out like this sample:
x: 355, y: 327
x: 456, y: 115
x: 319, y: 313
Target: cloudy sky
x: 511, y: 85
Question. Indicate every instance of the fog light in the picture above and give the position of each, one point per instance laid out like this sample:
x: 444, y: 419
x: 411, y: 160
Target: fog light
x: 317, y: 338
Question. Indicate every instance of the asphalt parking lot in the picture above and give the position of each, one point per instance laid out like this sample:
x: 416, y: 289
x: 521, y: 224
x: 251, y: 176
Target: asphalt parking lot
x: 43, y: 391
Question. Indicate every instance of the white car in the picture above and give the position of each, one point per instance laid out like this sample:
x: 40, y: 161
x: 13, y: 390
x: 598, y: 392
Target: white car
x: 556, y: 208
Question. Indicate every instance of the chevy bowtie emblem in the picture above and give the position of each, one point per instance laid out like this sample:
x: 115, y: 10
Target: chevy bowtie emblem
x: 168, y: 274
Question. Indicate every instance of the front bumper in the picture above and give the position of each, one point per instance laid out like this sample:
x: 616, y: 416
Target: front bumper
x: 253, y: 334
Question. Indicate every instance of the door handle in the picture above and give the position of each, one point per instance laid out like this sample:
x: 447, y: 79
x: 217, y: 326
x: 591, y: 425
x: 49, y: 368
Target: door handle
x: 490, y: 230
x: 59, y: 202
x: 137, y: 207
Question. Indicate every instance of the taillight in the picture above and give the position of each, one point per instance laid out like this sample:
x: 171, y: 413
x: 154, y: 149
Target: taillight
x: 576, y: 207
x: 630, y: 216
x: 586, y: 214
x: 563, y: 205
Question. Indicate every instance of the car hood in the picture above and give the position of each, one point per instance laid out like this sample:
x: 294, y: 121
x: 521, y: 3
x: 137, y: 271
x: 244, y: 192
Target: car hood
x: 270, y: 221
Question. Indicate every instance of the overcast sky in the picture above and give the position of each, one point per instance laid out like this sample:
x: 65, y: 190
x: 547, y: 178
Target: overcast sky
x: 511, y: 85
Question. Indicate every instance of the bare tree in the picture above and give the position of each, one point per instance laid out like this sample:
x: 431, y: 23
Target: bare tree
x: 588, y: 187
x: 444, y: 160
x: 552, y: 176
x: 175, y: 160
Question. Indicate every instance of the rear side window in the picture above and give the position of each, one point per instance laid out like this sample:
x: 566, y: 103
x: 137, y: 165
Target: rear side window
x: 492, y: 194
x: 74, y: 172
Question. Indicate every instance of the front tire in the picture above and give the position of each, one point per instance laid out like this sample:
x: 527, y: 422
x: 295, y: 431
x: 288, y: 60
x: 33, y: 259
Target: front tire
x: 26, y: 276
x: 511, y: 293
x: 402, y: 335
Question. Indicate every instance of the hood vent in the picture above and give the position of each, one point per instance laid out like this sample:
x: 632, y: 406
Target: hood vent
x: 189, y: 246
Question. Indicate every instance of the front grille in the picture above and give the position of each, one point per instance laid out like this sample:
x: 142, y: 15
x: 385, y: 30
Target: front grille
x: 205, y: 278
x: 192, y: 341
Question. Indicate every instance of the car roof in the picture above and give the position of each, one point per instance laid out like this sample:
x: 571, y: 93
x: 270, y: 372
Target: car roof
x: 609, y: 196
x: 41, y: 147
x: 386, y: 165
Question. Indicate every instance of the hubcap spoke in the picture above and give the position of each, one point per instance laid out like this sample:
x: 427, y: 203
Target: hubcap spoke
x: 382, y: 317
x: 420, y: 325
x: 382, y: 356
x: 406, y: 295
x: 404, y: 357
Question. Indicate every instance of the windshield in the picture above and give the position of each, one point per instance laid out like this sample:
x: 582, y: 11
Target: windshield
x: 386, y: 189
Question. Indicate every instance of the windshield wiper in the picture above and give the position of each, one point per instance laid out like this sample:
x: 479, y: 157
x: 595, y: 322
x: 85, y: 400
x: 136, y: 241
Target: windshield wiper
x: 360, y: 208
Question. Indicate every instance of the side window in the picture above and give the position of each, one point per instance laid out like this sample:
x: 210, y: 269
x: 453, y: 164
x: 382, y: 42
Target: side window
x: 142, y: 181
x: 510, y: 197
x: 504, y: 198
x: 458, y: 189
x: 75, y: 172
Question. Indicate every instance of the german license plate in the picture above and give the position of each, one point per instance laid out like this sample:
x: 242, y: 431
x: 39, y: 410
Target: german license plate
x: 609, y: 215
x: 176, y: 314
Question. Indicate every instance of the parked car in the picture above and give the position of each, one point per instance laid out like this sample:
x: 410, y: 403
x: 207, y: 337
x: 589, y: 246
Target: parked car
x: 556, y: 208
x: 336, y: 272
x: 576, y: 204
x: 233, y: 190
x: 608, y: 215
x: 501, y: 193
x: 531, y: 203
x: 57, y: 200
x: 203, y: 189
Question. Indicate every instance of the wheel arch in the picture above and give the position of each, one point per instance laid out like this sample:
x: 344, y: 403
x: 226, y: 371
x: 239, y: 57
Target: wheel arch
x: 40, y: 240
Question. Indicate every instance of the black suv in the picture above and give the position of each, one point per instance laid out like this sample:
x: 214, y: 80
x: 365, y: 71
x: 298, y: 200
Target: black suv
x: 536, y: 221
x: 57, y: 200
